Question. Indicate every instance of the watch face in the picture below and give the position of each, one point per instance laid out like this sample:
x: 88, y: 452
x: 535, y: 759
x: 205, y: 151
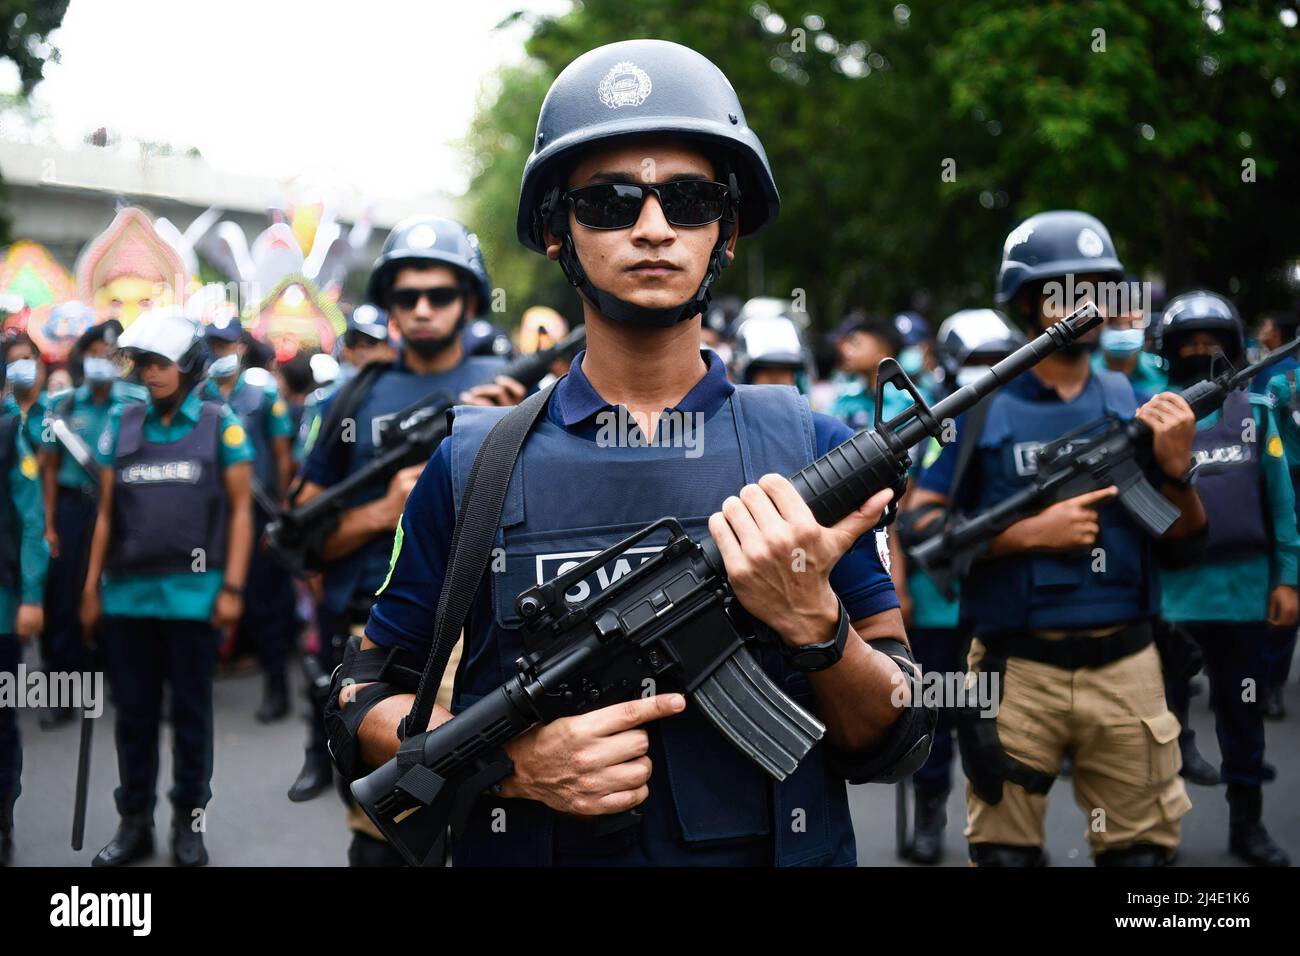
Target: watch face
x: 814, y: 659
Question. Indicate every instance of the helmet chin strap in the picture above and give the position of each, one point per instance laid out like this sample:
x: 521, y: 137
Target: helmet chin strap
x: 629, y: 313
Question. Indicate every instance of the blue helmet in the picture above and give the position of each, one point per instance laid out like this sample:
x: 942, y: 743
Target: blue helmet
x: 481, y: 337
x: 1200, y: 311
x: 370, y: 320
x: 642, y: 88
x: 430, y: 239
x: 1053, y: 244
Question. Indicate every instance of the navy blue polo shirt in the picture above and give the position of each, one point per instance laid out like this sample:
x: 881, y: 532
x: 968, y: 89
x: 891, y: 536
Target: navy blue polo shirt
x: 404, y: 611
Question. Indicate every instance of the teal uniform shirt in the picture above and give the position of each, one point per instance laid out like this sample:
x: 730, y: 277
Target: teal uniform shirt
x: 186, y: 596
x: 33, y: 420
x: 855, y: 404
x: 86, y: 417
x: 274, y: 412
x: 309, y: 429
x: 1148, y: 376
x: 930, y: 609
x: 34, y: 554
x: 1237, y: 589
x: 1286, y: 409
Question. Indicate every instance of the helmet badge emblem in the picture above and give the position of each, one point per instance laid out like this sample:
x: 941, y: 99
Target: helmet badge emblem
x: 422, y: 237
x: 1090, y: 243
x: 626, y: 84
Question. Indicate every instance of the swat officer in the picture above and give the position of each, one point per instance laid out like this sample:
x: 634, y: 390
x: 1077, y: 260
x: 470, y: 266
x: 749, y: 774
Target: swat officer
x: 24, y: 557
x: 1061, y: 605
x: 431, y: 279
x: 365, y: 340
x: 1246, y: 580
x: 644, y: 257
x: 71, y: 481
x: 167, y: 572
x: 252, y: 394
x: 969, y: 342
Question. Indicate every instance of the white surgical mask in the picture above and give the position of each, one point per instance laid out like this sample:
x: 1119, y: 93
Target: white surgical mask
x: 1122, y: 341
x: 98, y: 370
x: 21, y: 373
x: 225, y: 366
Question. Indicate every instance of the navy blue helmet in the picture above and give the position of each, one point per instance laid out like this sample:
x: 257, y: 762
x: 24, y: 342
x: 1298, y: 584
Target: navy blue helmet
x: 1053, y: 244
x: 430, y: 239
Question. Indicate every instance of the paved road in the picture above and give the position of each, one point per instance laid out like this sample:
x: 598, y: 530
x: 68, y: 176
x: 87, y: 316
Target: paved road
x: 251, y: 823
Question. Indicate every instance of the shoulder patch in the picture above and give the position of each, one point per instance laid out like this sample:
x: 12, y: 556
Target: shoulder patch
x: 233, y: 435
x: 279, y: 408
x: 28, y: 467
x: 1274, y: 446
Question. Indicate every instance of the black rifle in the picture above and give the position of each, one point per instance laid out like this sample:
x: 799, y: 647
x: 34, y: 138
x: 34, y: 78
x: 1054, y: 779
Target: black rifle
x: 407, y: 438
x: 668, y: 620
x: 1108, y: 451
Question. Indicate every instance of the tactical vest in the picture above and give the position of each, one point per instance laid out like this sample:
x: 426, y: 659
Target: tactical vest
x: 246, y: 402
x: 361, y: 572
x: 570, y: 498
x: 168, y: 498
x: 11, y: 537
x: 1082, y: 589
x: 1229, y: 482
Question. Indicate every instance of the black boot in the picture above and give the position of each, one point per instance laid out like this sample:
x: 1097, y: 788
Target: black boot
x: 1274, y: 708
x: 275, y: 699
x: 1196, y: 769
x: 1139, y: 854
x: 187, y: 840
x: 1247, y: 838
x: 931, y: 818
x: 316, y: 775
x: 7, y: 828
x: 133, y: 841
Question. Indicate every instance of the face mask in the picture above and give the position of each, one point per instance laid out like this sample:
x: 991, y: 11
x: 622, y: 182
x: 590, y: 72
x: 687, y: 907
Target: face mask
x: 99, y: 370
x: 225, y: 366
x: 912, y: 359
x: 1187, y: 370
x: 22, y: 373
x: 1121, y: 341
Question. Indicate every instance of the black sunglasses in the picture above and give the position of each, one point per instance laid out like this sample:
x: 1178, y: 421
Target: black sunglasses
x: 685, y: 202
x: 437, y: 296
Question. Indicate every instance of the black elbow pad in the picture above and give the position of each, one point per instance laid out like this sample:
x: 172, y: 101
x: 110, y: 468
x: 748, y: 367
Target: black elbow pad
x: 906, y: 744
x: 386, y: 673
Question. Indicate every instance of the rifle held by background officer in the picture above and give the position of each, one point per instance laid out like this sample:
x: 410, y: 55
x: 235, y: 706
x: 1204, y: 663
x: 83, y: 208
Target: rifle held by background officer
x: 669, y: 621
x: 408, y: 438
x: 1102, y: 453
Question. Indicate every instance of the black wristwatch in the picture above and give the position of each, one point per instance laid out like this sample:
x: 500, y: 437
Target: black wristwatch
x: 818, y: 657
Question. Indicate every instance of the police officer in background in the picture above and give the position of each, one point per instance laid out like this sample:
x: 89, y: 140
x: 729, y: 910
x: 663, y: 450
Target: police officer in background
x: 644, y: 257
x: 431, y: 279
x: 767, y: 350
x: 25, y: 384
x: 1062, y: 603
x: 24, y: 557
x: 1123, y: 341
x: 167, y: 572
x: 1245, y: 581
x: 365, y: 340
x: 863, y: 342
x: 1281, y: 383
x: 251, y: 392
x: 969, y: 342
x: 69, y: 492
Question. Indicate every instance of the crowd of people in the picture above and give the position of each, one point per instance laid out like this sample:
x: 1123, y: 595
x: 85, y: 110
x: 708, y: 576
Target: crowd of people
x: 140, y: 474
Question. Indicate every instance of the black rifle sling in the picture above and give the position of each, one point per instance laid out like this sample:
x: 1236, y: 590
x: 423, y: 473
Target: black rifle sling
x: 471, y: 545
x: 972, y: 428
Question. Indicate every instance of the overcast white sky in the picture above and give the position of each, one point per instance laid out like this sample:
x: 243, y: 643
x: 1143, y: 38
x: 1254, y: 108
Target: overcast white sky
x: 371, y: 95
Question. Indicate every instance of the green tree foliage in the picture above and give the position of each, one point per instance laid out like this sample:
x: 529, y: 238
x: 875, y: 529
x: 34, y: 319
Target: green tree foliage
x: 908, y: 139
x: 25, y: 26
